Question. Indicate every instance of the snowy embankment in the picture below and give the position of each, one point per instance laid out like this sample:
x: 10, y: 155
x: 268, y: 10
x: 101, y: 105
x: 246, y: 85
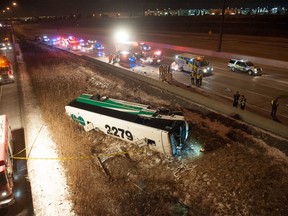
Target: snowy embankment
x: 48, y: 180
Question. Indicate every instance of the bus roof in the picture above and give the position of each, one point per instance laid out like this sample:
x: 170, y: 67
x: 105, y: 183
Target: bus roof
x: 128, y: 111
x: 132, y: 108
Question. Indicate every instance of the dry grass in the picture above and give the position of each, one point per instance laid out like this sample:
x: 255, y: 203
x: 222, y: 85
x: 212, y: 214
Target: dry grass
x: 241, y: 176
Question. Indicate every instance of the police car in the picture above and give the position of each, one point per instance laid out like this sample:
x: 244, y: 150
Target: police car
x: 240, y: 65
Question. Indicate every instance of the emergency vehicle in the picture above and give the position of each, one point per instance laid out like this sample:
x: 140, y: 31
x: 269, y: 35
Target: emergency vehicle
x: 91, y: 44
x: 145, y: 48
x: 154, y: 58
x: 5, y: 45
x: 189, y: 62
x: 128, y: 46
x: 56, y: 41
x: 126, y: 59
x: 45, y: 39
x: 161, y: 129
x: 157, y: 57
x: 6, y: 70
x: 6, y: 164
x: 97, y: 46
x: 71, y: 43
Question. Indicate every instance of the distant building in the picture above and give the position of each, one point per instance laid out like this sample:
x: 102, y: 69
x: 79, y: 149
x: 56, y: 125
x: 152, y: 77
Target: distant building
x: 218, y: 11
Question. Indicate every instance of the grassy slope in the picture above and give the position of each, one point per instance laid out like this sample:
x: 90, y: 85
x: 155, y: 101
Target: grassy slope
x: 240, y: 174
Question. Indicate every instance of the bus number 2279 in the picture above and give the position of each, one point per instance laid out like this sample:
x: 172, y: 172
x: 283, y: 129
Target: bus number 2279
x: 119, y: 132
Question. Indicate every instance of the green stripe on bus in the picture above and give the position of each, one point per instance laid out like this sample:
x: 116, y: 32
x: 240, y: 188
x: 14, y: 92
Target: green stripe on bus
x: 109, y: 104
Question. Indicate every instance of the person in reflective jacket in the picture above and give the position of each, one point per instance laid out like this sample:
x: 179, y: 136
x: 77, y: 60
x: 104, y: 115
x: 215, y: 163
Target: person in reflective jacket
x: 274, y: 106
x: 242, y: 102
x: 192, y: 78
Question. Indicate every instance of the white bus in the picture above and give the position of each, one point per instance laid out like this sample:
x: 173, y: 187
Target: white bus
x: 160, y: 129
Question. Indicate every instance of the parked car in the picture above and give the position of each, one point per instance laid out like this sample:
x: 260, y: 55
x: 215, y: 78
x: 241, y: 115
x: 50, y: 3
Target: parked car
x: 240, y: 65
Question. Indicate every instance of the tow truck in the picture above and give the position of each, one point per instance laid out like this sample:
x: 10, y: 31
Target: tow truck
x: 6, y: 71
x: 6, y: 164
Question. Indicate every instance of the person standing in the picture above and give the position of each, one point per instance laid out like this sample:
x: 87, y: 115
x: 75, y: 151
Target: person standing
x: 200, y: 78
x: 242, y: 102
x: 161, y: 68
x: 109, y: 58
x: 18, y: 56
x: 192, y: 78
x: 274, y: 106
x: 236, y: 99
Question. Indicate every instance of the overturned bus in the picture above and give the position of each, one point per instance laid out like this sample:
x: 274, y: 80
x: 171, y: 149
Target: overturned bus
x: 161, y: 129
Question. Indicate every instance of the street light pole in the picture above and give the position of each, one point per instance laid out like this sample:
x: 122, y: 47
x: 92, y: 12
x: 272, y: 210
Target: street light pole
x: 221, y: 26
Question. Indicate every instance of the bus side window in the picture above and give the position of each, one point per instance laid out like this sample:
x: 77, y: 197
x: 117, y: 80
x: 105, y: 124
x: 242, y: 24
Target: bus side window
x: 151, y: 142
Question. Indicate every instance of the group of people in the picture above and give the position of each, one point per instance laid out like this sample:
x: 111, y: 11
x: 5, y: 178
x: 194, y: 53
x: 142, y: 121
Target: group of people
x: 196, y: 78
x: 239, y: 100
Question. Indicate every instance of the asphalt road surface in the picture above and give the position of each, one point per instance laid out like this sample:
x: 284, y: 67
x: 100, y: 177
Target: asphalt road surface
x: 10, y: 104
x: 259, y: 90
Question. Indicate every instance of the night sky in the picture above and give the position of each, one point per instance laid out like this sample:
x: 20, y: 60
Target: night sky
x: 62, y: 7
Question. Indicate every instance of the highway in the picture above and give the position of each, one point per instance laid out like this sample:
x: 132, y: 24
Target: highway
x: 259, y: 90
